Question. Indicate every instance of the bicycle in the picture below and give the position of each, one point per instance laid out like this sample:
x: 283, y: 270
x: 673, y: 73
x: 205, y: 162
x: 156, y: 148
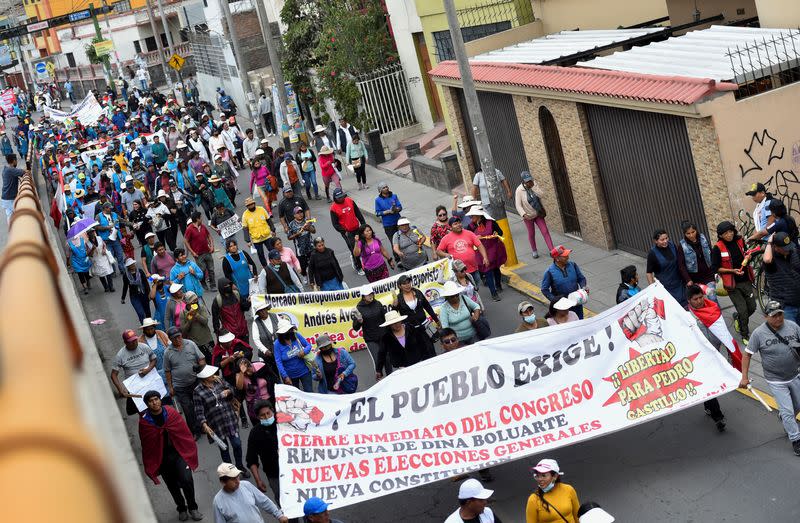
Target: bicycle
x: 760, y: 285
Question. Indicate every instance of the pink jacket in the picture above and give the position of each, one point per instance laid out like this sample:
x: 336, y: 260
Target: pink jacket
x: 288, y: 257
x: 258, y: 177
x: 326, y: 165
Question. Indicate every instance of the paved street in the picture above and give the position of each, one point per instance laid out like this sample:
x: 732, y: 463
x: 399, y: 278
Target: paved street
x: 674, y: 469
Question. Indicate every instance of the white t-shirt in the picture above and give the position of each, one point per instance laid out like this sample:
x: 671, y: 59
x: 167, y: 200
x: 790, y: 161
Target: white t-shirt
x: 760, y: 214
x: 486, y: 517
x: 480, y: 181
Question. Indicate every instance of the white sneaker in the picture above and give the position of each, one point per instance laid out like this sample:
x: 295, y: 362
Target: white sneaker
x: 535, y: 254
x: 360, y: 272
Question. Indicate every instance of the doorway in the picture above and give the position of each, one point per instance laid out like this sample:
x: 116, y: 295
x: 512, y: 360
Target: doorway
x: 558, y: 168
x: 424, y: 60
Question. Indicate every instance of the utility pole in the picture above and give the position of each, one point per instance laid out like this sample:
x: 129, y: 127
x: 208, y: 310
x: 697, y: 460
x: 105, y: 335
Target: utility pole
x: 484, y: 152
x: 241, y: 60
x: 99, y: 34
x: 116, y: 53
x: 23, y: 63
x: 170, y: 43
x: 275, y: 63
x: 157, y: 36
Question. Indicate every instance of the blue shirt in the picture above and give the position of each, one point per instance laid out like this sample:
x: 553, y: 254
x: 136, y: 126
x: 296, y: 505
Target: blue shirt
x: 104, y: 221
x: 557, y: 282
x: 190, y: 282
x: 385, y: 204
x: 286, y: 356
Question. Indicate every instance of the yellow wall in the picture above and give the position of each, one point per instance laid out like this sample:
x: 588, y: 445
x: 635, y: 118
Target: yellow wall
x: 560, y: 15
x: 772, y: 118
x: 778, y: 13
x: 682, y: 11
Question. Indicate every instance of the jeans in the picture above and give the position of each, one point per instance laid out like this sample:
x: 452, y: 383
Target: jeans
x: 206, y: 263
x: 178, y: 477
x: 141, y: 305
x: 260, y: 246
x: 787, y: 396
x: 183, y: 397
x: 236, y: 443
x: 310, y: 178
x: 539, y: 222
x: 8, y: 207
x: 116, y: 249
x: 745, y: 304
x: 331, y: 285
x: 305, y: 380
x: 790, y: 312
x: 489, y: 278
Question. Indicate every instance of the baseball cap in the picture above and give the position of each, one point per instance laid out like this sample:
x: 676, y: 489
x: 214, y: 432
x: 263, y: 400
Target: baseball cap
x: 560, y: 251
x: 525, y: 305
x: 773, y: 307
x: 173, y: 331
x: 783, y: 240
x: 453, y: 220
x: 472, y: 488
x: 756, y: 188
x: 323, y: 340
x: 314, y: 506
x: 526, y: 176
x: 288, y: 188
x: 297, y: 210
x: 338, y: 193
x: 129, y: 335
x: 547, y: 465
x: 274, y: 255
x: 228, y: 470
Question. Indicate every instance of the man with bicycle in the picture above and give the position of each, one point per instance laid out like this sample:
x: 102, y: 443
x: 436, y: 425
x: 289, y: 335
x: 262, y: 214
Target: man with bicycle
x: 781, y: 263
x: 729, y: 260
x: 346, y: 218
x: 758, y: 192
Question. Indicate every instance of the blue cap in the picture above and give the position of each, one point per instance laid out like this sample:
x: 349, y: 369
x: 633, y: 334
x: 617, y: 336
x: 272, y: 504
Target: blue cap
x: 274, y: 255
x: 526, y: 176
x: 338, y: 193
x: 314, y: 506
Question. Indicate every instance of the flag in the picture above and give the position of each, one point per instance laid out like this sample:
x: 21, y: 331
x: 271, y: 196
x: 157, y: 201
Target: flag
x: 710, y: 315
x: 59, y: 204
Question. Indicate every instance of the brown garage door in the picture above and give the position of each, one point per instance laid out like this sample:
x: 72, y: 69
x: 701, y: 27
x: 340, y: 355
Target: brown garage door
x: 648, y: 174
x: 505, y: 139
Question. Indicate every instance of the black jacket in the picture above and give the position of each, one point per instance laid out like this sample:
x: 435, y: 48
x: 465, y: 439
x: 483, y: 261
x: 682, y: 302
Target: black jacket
x: 323, y: 266
x: 414, y: 351
x: 372, y: 315
x: 416, y: 316
x: 262, y: 443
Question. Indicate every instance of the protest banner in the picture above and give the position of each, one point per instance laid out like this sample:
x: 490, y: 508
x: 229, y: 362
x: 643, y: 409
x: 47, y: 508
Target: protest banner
x: 230, y: 226
x: 7, y: 100
x: 87, y: 112
x: 138, y: 385
x: 330, y: 312
x: 498, y: 400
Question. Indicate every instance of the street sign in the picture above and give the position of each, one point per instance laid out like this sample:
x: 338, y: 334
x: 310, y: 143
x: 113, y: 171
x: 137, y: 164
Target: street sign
x: 103, y: 48
x: 176, y: 61
x: 41, y: 67
x: 79, y: 15
x: 51, y: 68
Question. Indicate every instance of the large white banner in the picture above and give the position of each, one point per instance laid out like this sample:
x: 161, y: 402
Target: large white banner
x: 88, y: 112
x: 498, y: 400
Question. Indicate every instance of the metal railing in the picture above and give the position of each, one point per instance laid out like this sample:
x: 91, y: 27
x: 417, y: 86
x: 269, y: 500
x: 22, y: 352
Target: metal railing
x: 39, y: 353
x: 766, y: 64
x: 385, y: 98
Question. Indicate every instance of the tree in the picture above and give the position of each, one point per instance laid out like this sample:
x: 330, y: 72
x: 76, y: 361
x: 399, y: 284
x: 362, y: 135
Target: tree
x: 91, y: 53
x: 339, y: 40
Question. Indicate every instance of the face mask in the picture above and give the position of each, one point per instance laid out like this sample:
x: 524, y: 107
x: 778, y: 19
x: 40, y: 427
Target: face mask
x: 267, y: 422
x: 549, y: 487
x: 530, y: 319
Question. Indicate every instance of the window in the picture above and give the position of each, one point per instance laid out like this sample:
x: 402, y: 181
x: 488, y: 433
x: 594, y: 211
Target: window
x: 71, y: 60
x: 122, y: 6
x: 137, y: 47
x: 164, y: 43
x: 150, y: 44
x: 444, y: 44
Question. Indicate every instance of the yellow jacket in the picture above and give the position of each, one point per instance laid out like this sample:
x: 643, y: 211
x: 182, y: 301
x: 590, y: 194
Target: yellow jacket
x: 562, y: 498
x: 256, y: 224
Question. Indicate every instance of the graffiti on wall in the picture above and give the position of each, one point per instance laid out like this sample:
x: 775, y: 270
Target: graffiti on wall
x: 762, y: 151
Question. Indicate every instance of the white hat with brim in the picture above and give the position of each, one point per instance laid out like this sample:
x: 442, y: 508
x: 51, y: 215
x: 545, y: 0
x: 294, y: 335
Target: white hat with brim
x: 284, y: 326
x: 260, y: 306
x: 129, y: 262
x: 207, y: 372
x: 162, y: 192
x: 392, y: 317
x: 403, y: 221
x: 366, y: 290
x: 596, y: 515
x: 476, y: 210
x: 150, y: 235
x: 325, y: 150
x: 226, y: 338
x: 564, y: 304
x: 451, y: 288
x: 149, y: 322
x: 469, y: 201
x: 214, y: 178
x: 175, y: 287
x: 319, y: 129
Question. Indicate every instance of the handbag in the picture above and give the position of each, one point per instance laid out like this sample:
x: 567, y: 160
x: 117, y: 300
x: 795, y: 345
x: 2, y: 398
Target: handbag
x: 536, y: 203
x: 350, y: 383
x: 356, y: 163
x: 482, y: 328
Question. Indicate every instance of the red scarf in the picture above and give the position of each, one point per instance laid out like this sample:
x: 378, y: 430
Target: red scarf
x: 152, y: 437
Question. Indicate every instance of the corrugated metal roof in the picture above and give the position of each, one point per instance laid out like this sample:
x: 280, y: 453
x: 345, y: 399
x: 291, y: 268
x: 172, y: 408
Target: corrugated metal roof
x: 614, y: 84
x: 561, y: 44
x: 704, y: 54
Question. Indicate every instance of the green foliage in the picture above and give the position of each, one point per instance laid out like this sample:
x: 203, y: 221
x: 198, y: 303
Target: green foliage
x: 339, y: 40
x: 90, y: 52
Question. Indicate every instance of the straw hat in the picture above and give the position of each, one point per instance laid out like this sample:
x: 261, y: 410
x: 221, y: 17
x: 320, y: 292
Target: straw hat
x: 392, y: 317
x: 469, y: 201
x: 451, y: 288
x: 325, y: 150
x: 214, y: 178
x: 319, y: 129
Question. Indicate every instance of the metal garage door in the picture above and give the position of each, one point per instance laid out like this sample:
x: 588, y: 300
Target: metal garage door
x: 648, y: 174
x: 505, y: 139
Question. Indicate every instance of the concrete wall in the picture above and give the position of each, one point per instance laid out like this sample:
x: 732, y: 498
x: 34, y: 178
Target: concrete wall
x: 513, y: 36
x: 778, y: 13
x: 558, y: 15
x: 682, y: 11
x: 405, y: 22
x: 759, y: 141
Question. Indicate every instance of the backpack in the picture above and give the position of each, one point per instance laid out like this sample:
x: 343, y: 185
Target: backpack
x: 291, y: 173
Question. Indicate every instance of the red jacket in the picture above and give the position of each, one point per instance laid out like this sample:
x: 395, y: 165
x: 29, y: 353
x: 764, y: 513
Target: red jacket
x: 152, y: 437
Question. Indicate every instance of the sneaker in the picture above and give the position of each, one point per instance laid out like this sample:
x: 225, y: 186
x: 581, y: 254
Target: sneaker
x: 535, y: 254
x: 196, y: 515
x: 736, y: 323
x: 496, y: 297
x: 721, y: 425
x: 796, y: 447
x: 317, y: 197
x: 745, y: 341
x: 183, y: 515
x: 360, y: 272
x: 366, y: 186
x: 329, y: 200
